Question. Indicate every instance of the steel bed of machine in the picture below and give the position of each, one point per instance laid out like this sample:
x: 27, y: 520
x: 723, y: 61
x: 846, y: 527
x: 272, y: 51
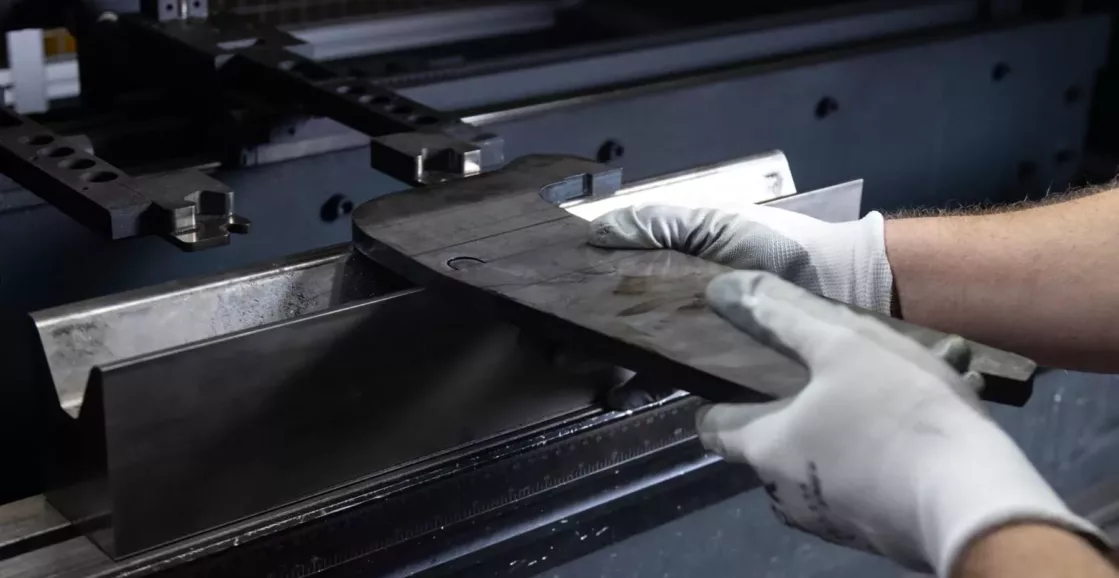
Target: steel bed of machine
x: 290, y: 418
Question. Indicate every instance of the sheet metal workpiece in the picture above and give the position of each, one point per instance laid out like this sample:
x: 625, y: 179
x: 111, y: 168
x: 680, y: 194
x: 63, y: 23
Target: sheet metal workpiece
x: 501, y: 241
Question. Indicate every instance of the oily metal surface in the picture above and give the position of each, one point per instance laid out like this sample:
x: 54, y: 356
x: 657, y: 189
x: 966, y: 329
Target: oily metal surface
x: 500, y: 241
x: 238, y: 425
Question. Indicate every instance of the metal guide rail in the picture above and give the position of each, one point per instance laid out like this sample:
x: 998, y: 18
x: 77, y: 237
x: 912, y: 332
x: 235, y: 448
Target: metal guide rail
x: 461, y: 491
x: 502, y: 492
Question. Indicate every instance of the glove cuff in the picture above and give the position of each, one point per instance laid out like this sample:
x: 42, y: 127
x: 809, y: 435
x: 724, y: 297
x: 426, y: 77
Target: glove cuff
x: 852, y: 262
x: 878, y: 278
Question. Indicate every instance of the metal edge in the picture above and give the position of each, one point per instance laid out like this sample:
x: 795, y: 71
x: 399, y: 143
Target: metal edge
x: 366, y: 36
x: 518, y: 109
x: 70, y: 392
x: 690, y: 42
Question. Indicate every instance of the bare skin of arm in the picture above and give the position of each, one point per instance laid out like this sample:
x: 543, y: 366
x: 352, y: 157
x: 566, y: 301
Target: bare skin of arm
x: 1043, y: 281
x: 1032, y: 550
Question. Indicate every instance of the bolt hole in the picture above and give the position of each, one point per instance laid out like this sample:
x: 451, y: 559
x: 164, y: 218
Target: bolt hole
x: 238, y: 225
x: 58, y: 152
x: 1000, y: 71
x: 99, y: 177
x: 197, y: 4
x: 77, y: 164
x: 39, y: 139
x: 400, y: 109
x: 1064, y: 156
x: 291, y: 131
x: 826, y: 107
x: 1073, y: 94
x: 169, y: 7
x: 336, y: 207
x: 611, y: 150
x: 460, y: 263
x: 423, y: 120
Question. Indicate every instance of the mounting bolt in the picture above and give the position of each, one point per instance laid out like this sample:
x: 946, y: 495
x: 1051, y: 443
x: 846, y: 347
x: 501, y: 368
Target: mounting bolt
x: 826, y: 107
x: 610, y: 151
x: 336, y: 207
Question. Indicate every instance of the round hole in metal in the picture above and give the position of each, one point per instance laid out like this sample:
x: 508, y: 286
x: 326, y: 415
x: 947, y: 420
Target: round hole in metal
x: 100, y: 177
x: 79, y: 164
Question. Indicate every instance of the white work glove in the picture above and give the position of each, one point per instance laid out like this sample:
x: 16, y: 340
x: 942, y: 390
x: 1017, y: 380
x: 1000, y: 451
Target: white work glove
x: 842, y: 261
x: 887, y: 449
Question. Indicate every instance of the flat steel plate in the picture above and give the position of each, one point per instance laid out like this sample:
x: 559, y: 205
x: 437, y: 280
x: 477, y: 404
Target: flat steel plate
x: 501, y: 241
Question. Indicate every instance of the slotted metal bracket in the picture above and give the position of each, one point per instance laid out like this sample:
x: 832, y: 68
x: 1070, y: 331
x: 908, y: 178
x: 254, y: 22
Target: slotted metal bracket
x: 411, y: 141
x: 188, y: 208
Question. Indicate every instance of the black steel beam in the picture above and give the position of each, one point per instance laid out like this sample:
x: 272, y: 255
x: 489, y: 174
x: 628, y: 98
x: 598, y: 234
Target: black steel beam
x: 187, y: 208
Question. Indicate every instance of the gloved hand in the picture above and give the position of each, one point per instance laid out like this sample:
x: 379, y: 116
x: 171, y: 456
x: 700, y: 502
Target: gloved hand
x: 843, y: 261
x: 887, y: 449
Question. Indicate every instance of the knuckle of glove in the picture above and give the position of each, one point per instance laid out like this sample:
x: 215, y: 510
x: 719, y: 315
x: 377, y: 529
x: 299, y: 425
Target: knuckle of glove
x: 739, y: 435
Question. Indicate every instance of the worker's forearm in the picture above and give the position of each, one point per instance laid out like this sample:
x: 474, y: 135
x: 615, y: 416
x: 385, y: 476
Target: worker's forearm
x: 1032, y: 550
x: 1043, y: 282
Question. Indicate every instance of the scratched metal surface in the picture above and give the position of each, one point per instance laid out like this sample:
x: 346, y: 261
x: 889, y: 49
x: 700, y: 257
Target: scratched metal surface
x: 522, y: 256
x: 1070, y: 430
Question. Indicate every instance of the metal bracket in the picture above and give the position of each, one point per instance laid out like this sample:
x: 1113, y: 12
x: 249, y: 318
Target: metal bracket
x: 422, y: 158
x: 187, y: 208
x: 164, y: 10
x: 413, y: 142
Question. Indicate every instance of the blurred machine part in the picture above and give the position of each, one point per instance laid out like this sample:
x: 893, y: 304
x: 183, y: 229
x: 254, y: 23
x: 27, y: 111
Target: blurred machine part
x: 282, y: 412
